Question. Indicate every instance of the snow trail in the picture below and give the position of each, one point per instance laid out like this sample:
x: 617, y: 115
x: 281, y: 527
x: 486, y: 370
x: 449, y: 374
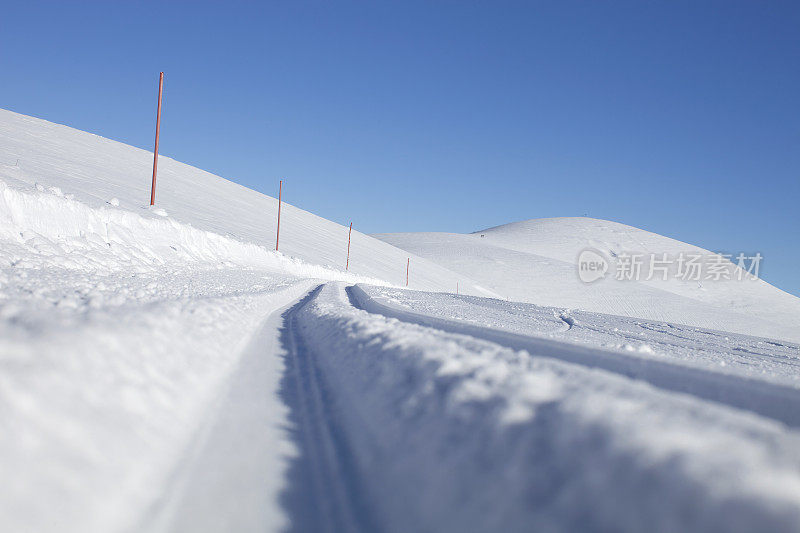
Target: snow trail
x: 231, y: 476
x: 772, y: 400
x: 454, y: 432
x: 323, y: 493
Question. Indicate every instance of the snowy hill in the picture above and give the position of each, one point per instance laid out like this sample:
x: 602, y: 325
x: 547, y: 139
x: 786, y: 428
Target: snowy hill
x: 99, y: 172
x: 535, y: 261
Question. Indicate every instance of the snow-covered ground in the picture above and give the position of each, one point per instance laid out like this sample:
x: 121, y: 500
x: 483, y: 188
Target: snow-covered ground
x: 166, y: 370
x: 535, y: 261
x: 450, y: 431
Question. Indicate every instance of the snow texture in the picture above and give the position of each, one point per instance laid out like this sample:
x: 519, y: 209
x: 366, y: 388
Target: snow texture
x: 165, y: 369
x: 535, y: 261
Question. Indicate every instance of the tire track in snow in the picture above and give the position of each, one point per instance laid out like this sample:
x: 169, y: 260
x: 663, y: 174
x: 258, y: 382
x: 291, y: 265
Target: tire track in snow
x: 771, y: 400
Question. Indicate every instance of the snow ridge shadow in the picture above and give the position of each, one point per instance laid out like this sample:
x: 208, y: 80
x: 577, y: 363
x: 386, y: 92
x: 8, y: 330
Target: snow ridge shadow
x: 323, y: 492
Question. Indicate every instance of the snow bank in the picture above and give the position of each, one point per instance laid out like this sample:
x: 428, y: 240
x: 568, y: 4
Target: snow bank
x: 39, y: 227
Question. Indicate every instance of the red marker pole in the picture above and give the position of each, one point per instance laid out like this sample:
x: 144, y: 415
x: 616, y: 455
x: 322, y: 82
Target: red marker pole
x: 408, y: 263
x: 158, y: 128
x: 278, y: 234
x: 456, y: 287
x: 347, y: 267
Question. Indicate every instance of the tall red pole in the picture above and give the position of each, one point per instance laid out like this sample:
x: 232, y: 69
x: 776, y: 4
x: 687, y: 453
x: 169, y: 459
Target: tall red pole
x: 278, y: 235
x: 158, y: 128
x: 407, y: 265
x: 348, y: 247
x: 456, y: 287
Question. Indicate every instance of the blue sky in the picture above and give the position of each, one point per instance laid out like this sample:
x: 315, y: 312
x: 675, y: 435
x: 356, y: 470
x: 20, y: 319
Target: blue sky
x: 681, y: 118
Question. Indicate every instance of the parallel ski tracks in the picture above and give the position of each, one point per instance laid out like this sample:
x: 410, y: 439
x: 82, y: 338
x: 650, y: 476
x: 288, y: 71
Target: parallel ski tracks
x: 329, y: 492
x: 777, y: 402
x: 331, y: 499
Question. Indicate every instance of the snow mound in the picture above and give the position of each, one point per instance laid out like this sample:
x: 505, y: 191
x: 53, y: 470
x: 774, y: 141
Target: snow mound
x: 40, y: 228
x: 536, y: 261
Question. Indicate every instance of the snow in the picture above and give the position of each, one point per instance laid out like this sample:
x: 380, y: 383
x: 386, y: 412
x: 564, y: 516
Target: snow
x: 242, y: 444
x: 165, y: 369
x: 759, y: 375
x: 92, y: 170
x: 453, y: 432
x: 49, y: 229
x: 100, y: 399
x: 535, y: 261
x: 742, y: 355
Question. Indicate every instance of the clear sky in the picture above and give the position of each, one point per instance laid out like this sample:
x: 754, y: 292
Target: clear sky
x: 682, y: 118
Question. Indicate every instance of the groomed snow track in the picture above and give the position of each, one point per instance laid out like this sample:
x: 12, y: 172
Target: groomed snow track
x: 766, y: 399
x: 323, y: 494
x: 411, y: 423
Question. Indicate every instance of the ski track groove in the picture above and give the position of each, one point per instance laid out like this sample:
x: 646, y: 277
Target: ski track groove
x: 769, y: 400
x: 332, y: 503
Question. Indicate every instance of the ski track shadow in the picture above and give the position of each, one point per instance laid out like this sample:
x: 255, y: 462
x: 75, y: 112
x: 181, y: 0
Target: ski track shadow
x: 323, y: 492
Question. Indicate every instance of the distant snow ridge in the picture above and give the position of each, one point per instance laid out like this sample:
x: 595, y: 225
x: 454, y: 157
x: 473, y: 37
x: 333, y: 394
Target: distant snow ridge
x: 535, y: 261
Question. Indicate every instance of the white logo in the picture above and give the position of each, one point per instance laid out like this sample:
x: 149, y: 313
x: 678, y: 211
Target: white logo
x: 592, y: 265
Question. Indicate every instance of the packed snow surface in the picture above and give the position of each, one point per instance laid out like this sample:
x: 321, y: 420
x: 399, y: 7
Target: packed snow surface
x: 166, y: 370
